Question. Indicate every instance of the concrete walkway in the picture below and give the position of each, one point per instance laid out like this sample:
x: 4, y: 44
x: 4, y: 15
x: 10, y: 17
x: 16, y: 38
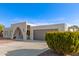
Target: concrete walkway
x: 23, y: 48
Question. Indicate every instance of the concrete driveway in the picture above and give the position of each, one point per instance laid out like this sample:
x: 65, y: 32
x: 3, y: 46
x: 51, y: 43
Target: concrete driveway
x: 22, y: 48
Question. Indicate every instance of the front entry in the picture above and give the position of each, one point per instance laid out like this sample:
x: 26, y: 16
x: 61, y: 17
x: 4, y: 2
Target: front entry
x: 18, y: 34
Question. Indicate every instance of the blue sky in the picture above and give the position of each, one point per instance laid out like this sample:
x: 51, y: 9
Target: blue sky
x: 39, y: 13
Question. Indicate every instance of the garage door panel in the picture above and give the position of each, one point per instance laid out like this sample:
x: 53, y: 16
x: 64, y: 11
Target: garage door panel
x: 40, y: 34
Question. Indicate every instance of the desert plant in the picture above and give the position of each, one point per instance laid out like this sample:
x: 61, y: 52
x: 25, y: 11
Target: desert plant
x: 63, y: 42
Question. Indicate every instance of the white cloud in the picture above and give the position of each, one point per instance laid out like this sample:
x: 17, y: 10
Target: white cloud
x: 31, y: 24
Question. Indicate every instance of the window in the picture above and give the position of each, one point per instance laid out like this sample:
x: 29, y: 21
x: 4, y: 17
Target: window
x: 28, y: 32
x: 5, y: 33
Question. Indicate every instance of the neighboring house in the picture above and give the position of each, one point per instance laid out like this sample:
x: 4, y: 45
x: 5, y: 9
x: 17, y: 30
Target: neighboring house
x: 73, y: 28
x: 23, y: 31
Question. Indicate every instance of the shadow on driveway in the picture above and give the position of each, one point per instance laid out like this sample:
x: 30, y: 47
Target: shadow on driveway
x: 25, y: 52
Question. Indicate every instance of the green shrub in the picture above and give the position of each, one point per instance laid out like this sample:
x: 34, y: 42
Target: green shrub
x: 63, y: 42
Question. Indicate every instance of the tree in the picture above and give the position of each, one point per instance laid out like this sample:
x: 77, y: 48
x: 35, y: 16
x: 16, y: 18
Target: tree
x: 1, y: 30
x: 1, y: 27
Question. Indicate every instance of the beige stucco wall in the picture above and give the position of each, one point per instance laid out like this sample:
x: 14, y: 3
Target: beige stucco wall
x: 23, y: 28
x: 60, y: 27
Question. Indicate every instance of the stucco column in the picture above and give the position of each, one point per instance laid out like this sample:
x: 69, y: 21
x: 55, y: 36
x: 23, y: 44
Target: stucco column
x: 11, y: 35
x: 24, y: 31
x: 24, y: 36
x: 31, y: 34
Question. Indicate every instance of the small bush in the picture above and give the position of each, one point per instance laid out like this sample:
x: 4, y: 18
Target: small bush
x: 63, y: 42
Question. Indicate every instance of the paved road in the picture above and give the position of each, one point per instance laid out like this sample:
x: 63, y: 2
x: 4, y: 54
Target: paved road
x: 22, y: 48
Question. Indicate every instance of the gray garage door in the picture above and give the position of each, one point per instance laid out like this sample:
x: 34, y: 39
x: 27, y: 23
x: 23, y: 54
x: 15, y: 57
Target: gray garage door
x: 40, y: 34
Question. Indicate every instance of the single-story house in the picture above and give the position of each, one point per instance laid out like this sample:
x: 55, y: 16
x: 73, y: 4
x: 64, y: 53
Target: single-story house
x: 23, y: 31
